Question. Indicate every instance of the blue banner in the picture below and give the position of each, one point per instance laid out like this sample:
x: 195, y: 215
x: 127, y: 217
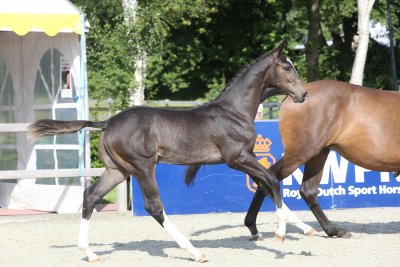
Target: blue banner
x: 217, y: 188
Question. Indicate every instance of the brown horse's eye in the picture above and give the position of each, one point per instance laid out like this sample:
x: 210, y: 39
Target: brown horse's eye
x: 286, y: 68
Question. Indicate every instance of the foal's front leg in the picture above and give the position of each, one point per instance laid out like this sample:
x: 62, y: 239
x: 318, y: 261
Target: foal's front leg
x: 267, y: 183
x: 288, y: 216
x: 254, y: 209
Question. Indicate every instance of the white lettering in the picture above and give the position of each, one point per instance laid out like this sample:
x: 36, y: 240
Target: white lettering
x: 359, y: 174
x: 291, y: 193
x: 384, y: 177
x: 387, y: 190
x: 336, y: 167
x: 356, y: 191
x: 298, y: 176
x: 338, y: 170
x: 338, y: 191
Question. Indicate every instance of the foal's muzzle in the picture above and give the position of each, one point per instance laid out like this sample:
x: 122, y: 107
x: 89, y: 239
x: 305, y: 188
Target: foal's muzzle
x: 300, y: 98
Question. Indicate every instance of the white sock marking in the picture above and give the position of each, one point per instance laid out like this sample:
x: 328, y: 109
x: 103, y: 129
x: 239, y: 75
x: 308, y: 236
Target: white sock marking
x: 293, y: 219
x: 282, y: 218
x: 83, y: 241
x: 286, y: 215
x: 182, y: 241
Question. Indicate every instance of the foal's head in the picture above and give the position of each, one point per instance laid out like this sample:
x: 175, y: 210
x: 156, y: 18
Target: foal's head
x: 282, y: 74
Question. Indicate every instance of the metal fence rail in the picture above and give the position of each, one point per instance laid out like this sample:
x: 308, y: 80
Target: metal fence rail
x: 270, y: 112
x: 52, y: 173
x: 122, y: 194
x: 103, y: 111
x: 60, y: 173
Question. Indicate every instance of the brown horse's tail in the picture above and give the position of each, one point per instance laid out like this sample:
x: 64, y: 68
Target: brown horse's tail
x: 190, y: 174
x: 55, y: 127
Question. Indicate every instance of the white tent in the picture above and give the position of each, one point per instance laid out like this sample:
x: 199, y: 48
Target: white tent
x: 42, y: 75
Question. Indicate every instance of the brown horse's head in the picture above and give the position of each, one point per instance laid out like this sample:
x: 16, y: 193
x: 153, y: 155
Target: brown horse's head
x: 283, y: 75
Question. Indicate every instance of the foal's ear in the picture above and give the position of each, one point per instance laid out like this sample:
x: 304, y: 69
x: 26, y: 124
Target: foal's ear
x: 280, y: 48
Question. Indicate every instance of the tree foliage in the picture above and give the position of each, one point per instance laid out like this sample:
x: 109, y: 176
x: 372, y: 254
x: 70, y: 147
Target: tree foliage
x: 208, y: 46
x: 195, y: 47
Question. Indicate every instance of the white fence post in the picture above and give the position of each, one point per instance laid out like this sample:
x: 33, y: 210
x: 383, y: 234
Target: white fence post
x: 122, y: 196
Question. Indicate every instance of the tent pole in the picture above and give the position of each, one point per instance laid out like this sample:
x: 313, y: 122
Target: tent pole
x: 84, y: 145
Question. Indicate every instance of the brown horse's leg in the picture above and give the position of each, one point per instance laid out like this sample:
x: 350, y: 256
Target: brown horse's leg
x: 251, y: 217
x: 313, y: 169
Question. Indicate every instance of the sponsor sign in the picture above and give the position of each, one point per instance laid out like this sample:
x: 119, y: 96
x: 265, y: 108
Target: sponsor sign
x: 218, y: 188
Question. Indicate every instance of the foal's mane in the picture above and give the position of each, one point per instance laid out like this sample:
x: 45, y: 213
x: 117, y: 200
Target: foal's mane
x: 240, y: 73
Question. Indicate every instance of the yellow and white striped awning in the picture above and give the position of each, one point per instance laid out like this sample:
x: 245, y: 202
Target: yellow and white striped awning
x: 49, y: 16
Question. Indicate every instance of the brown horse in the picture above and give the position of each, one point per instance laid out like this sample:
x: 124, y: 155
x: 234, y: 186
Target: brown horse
x: 362, y: 124
x: 134, y: 140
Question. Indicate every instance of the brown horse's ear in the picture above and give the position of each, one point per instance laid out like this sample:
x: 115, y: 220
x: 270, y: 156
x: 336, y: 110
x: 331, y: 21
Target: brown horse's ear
x: 280, y: 48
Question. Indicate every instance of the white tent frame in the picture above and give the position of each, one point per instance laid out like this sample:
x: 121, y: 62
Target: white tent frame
x: 84, y: 146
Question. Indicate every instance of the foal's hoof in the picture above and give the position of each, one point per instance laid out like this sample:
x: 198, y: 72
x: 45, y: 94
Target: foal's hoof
x: 94, y: 259
x: 311, y: 232
x: 280, y: 238
x: 202, y: 258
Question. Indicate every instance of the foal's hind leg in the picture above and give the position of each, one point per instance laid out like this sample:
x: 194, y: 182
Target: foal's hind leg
x: 107, y: 181
x: 104, y: 184
x: 153, y: 205
x: 309, y: 191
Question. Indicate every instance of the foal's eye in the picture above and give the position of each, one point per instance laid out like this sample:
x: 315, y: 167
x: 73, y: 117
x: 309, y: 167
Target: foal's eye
x: 286, y: 68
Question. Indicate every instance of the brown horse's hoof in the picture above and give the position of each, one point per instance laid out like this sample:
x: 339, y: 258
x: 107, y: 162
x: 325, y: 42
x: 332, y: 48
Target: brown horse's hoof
x: 257, y: 237
x: 345, y: 235
x: 202, y: 258
x: 311, y: 232
x: 280, y: 237
x: 342, y: 233
x: 339, y: 233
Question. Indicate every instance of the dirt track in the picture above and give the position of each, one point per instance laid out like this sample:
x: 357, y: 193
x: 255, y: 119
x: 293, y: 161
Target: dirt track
x: 121, y: 240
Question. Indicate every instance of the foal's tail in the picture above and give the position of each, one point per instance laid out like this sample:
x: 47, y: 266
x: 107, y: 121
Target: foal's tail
x: 55, y: 127
x: 190, y: 174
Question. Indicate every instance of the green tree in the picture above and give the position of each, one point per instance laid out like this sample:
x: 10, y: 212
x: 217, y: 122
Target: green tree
x: 195, y: 47
x: 207, y: 47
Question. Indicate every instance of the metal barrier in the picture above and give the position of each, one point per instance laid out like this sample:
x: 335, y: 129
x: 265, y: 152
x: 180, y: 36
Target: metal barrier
x: 60, y: 173
x: 103, y: 106
x: 218, y: 188
x: 32, y: 174
x: 122, y: 194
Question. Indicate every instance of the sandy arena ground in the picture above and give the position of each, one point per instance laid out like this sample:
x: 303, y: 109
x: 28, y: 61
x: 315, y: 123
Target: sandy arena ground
x: 123, y: 240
